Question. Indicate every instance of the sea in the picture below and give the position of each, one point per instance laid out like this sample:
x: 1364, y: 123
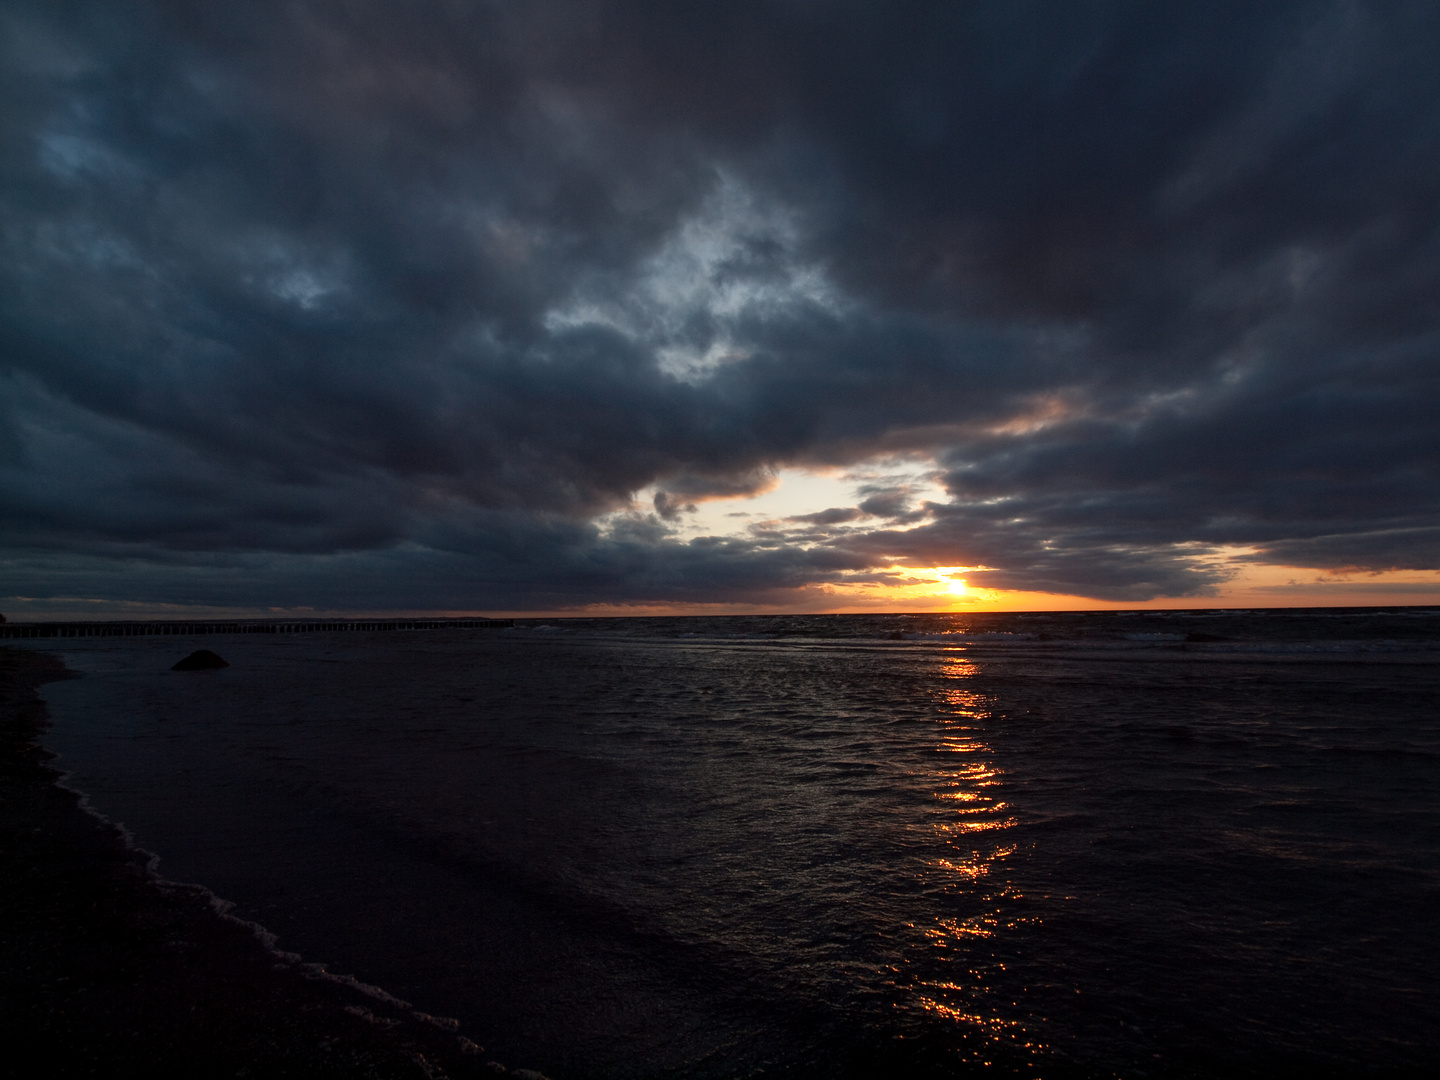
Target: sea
x: 1045, y: 845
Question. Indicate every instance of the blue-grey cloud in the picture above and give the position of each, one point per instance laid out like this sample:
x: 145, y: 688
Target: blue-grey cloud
x: 406, y: 303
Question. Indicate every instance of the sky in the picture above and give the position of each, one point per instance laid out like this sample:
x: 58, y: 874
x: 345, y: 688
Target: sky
x: 607, y: 306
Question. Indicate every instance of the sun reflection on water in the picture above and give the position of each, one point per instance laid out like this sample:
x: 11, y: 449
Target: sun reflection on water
x: 971, y: 819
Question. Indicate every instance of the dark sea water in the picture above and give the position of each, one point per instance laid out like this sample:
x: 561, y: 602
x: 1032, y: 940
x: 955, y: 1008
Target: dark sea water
x: 1147, y: 844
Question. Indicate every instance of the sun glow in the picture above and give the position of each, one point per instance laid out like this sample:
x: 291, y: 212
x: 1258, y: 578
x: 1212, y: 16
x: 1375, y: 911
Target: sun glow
x: 928, y: 588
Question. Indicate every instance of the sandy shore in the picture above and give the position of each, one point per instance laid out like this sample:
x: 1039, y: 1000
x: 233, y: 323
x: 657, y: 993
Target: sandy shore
x: 106, y: 970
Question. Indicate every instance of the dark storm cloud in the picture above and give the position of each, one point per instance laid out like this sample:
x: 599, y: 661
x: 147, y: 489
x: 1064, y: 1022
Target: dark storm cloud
x: 405, y: 303
x: 836, y: 515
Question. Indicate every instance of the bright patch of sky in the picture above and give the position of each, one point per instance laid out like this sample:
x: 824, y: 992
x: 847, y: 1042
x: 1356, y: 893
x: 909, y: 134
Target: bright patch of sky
x: 289, y: 272
x: 75, y: 158
x: 736, y: 259
x: 797, y: 492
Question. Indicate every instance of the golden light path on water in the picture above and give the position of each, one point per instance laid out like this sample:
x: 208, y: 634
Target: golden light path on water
x: 972, y: 821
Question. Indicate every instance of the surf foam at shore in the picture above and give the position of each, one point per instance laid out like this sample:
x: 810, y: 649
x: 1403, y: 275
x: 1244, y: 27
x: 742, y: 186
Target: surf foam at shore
x: 109, y: 969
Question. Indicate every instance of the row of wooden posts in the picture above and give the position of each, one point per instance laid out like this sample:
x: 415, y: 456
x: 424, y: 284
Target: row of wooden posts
x: 148, y: 629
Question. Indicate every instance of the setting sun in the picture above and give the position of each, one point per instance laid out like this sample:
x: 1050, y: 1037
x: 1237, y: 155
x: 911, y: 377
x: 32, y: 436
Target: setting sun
x: 957, y: 586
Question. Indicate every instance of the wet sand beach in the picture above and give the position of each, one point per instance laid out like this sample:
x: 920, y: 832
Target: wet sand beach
x: 107, y: 970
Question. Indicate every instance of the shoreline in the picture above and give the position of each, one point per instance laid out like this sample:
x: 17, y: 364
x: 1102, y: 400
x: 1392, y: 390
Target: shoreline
x: 107, y: 968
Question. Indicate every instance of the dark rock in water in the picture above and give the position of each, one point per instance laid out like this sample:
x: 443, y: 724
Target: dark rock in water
x: 200, y: 660
x: 896, y: 635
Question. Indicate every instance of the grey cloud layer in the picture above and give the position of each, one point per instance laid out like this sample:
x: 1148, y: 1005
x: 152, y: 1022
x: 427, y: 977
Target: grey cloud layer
x: 403, y: 299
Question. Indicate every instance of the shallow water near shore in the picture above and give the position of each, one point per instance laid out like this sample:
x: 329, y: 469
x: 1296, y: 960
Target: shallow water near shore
x: 1140, y: 844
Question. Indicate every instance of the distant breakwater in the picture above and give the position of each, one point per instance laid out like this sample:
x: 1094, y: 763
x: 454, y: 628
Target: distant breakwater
x: 119, y: 628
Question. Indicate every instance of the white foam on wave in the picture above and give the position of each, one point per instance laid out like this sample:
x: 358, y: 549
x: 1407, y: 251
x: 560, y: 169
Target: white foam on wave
x: 224, y: 910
